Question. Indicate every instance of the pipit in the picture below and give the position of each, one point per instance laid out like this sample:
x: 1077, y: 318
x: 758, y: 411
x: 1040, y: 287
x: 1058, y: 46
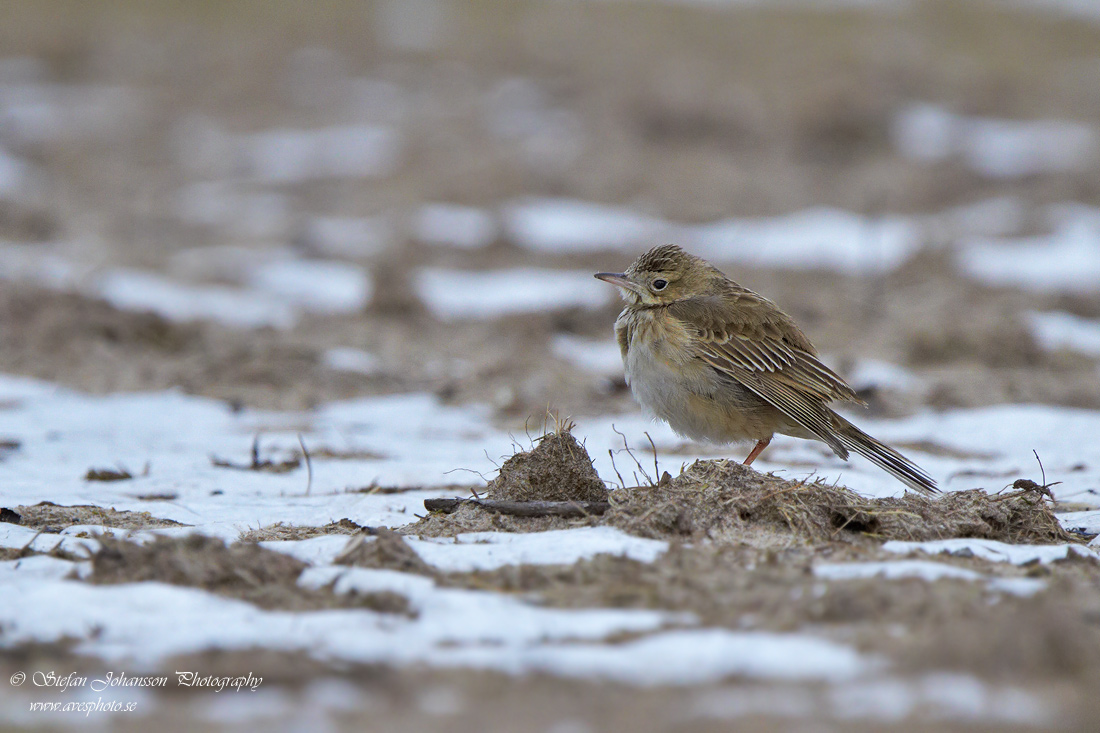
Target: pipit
x: 720, y: 363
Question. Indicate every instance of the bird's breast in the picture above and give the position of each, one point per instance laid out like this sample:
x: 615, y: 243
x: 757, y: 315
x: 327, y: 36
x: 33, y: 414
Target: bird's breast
x: 660, y: 365
x: 673, y: 384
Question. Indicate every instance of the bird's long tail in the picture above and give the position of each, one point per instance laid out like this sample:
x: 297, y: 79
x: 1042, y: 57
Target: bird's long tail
x: 883, y: 456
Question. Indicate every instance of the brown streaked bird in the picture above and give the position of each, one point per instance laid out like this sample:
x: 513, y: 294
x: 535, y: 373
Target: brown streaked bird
x: 720, y: 363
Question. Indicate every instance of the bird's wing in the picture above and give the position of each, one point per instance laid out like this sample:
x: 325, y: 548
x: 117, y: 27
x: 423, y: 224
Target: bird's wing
x: 747, y: 337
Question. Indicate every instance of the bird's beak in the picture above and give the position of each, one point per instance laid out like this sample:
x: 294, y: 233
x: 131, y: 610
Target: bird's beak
x: 618, y: 279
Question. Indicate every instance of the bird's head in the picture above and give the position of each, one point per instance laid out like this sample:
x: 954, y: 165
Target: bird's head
x: 661, y: 276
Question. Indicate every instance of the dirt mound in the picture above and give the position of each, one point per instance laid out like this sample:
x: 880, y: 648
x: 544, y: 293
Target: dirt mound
x: 724, y: 498
x: 244, y: 571
x: 387, y: 550
x: 558, y: 468
x: 1017, y: 517
x: 285, y: 532
x: 726, y: 501
x: 241, y: 570
x: 50, y: 517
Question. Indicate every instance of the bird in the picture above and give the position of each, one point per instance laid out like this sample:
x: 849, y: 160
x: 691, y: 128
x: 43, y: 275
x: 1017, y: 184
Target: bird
x: 721, y: 363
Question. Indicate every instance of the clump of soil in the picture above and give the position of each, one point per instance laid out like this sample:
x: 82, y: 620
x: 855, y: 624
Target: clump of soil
x: 727, y: 501
x: 558, y: 468
x: 108, y: 474
x: 722, y: 499
x: 288, y: 532
x: 1016, y: 517
x: 50, y: 517
x: 387, y: 550
x: 243, y: 571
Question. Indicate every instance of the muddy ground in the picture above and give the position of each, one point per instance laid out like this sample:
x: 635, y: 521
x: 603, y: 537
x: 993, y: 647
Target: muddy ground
x: 694, y: 114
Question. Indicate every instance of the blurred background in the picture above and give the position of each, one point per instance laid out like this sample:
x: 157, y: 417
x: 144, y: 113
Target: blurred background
x: 279, y: 204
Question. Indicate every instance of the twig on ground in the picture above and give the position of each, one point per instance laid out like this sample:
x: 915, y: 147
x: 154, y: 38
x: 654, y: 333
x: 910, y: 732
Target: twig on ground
x: 1028, y: 485
x: 622, y: 482
x: 256, y: 464
x: 656, y: 468
x: 523, y: 508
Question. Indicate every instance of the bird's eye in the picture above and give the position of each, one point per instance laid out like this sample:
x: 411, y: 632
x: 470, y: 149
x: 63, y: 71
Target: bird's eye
x: 659, y: 284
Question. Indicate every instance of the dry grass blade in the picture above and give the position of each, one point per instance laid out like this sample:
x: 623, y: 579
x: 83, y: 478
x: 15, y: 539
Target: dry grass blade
x: 256, y: 464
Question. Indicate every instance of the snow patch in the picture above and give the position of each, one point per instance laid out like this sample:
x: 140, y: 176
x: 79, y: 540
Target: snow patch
x: 875, y: 374
x: 452, y: 294
x: 925, y: 570
x: 38, y: 264
x: 347, y: 359
x: 135, y: 290
x: 293, y: 156
x: 13, y: 174
x: 1066, y: 259
x: 1056, y: 330
x: 451, y: 225
x: 348, y: 236
x: 991, y: 550
x: 995, y: 148
x: 695, y: 656
x: 275, y: 293
x: 829, y: 239
x: 1087, y: 522
x: 885, y: 699
x: 491, y: 550
x: 32, y: 114
x: 816, y: 238
x: 315, y: 286
x: 18, y: 537
x: 148, y: 622
x: 560, y: 226
x: 252, y: 215
x: 599, y: 356
x: 41, y: 567
x: 488, y: 550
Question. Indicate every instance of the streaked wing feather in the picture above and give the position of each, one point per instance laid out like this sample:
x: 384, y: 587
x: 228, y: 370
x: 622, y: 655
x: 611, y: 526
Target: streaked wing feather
x: 748, y: 338
x: 806, y: 410
x: 750, y: 331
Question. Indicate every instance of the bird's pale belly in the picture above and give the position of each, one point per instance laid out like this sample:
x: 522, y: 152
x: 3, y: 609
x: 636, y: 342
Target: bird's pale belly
x: 694, y: 400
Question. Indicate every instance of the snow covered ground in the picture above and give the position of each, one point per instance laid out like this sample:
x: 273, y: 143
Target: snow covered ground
x: 415, y: 441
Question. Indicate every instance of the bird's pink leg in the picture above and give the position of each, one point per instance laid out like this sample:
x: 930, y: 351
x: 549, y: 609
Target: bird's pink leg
x: 757, y: 450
